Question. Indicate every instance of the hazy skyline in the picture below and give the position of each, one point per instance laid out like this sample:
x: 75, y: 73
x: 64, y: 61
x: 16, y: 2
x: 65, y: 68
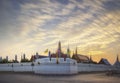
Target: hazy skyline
x: 30, y: 26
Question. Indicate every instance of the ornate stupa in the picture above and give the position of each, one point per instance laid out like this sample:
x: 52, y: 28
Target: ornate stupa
x: 59, y: 52
x: 57, y: 63
x: 117, y: 62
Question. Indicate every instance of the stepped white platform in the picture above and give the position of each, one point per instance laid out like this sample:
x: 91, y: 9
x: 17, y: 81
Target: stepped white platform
x: 45, y: 66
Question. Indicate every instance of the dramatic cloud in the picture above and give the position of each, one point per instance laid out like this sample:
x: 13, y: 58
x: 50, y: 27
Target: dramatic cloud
x: 35, y: 25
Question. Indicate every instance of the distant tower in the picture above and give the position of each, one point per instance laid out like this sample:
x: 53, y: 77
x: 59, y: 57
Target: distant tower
x: 15, y: 57
x: 36, y: 53
x: 117, y: 60
x: 90, y: 59
x: 24, y: 56
x: 7, y: 58
x: 59, y: 46
x: 49, y: 54
x: 76, y: 51
x: 68, y: 52
x: 0, y: 59
x: 59, y: 49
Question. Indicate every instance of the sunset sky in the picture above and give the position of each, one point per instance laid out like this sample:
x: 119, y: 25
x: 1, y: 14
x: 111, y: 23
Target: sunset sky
x: 30, y: 26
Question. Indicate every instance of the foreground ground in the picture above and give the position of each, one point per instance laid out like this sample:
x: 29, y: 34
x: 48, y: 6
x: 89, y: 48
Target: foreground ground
x: 11, y: 77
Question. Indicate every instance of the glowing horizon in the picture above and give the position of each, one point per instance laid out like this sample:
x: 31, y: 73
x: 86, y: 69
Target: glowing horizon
x: 30, y: 26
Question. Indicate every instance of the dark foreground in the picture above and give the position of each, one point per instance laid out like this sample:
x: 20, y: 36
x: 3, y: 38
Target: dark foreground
x: 11, y: 77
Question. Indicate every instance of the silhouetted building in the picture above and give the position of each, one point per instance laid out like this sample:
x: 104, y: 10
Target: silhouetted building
x: 104, y: 61
x: 117, y: 62
x: 37, y: 56
x: 80, y: 58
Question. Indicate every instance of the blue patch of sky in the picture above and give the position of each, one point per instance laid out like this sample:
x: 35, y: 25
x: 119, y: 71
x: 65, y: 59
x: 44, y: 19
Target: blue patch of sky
x: 25, y: 1
x: 65, y: 2
x: 9, y: 24
x: 9, y: 11
x: 80, y: 1
x: 51, y: 24
x: 112, y: 5
x: 16, y: 4
x: 82, y: 25
x: 83, y: 10
x: 88, y: 21
x: 32, y: 34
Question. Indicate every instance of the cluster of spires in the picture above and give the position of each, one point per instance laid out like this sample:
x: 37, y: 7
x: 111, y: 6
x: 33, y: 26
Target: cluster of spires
x: 59, y: 54
x: 117, y: 63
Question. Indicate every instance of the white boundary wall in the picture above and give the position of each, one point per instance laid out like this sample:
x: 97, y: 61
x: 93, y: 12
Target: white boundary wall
x: 6, y: 67
x: 82, y: 67
x: 56, y: 69
x: 16, y: 67
x: 51, y: 67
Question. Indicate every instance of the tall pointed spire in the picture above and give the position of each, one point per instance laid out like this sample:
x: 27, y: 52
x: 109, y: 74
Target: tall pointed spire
x: 68, y: 51
x: 59, y: 46
x: 59, y: 49
x: 76, y: 51
x: 117, y: 59
x: 24, y: 56
x: 90, y: 60
x: 117, y: 63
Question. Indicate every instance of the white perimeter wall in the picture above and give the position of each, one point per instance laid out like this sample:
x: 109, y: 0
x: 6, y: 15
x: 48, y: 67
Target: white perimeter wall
x: 17, y: 67
x: 56, y: 69
x: 26, y: 67
x: 93, y: 67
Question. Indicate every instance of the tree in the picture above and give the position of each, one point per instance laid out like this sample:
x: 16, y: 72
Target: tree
x: 25, y: 60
